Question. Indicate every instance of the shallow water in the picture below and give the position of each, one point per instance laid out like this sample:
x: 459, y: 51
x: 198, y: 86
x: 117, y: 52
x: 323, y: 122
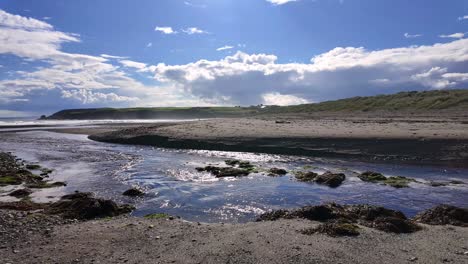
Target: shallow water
x: 174, y: 186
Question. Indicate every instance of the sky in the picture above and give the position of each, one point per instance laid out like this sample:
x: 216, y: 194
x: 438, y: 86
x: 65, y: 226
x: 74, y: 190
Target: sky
x: 60, y: 54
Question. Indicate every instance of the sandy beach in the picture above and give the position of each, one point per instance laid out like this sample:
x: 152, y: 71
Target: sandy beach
x: 140, y: 240
x: 383, y: 139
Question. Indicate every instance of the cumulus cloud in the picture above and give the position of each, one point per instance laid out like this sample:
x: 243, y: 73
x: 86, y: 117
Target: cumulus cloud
x: 227, y: 47
x: 340, y: 72
x: 282, y: 99
x: 61, y: 74
x: 454, y: 35
x: 165, y: 30
x: 408, y: 35
x: 89, y: 97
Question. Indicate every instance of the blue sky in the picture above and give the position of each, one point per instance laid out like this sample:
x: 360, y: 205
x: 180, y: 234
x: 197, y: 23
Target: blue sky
x: 57, y: 54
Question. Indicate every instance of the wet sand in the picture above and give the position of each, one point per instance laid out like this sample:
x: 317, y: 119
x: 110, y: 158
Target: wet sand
x: 419, y: 140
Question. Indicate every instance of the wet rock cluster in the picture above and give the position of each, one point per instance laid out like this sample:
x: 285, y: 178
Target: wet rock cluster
x: 395, y: 181
x: 13, y: 171
x: 335, y: 217
x: 236, y: 168
x: 328, y: 178
x: 84, y: 206
x: 444, y: 215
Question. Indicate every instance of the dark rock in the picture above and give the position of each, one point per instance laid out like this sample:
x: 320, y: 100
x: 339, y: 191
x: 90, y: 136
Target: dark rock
x: 395, y: 181
x: 444, y: 215
x: 437, y: 184
x: 372, y: 216
x: 20, y: 193
x: 456, y: 182
x: 33, y: 167
x: 277, y: 172
x: 220, y: 172
x: 370, y: 213
x: 84, y: 206
x: 334, y: 230
x: 331, y: 179
x: 133, y: 192
x: 370, y: 176
x: 398, y: 181
x: 305, y: 176
x: 395, y: 225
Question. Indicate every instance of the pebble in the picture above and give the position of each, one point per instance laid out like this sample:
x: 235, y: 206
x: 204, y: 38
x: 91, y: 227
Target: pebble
x: 412, y: 259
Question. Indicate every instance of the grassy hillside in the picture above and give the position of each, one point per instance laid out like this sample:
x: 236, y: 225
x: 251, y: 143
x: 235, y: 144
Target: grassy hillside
x: 449, y: 100
x: 404, y: 101
x: 155, y: 113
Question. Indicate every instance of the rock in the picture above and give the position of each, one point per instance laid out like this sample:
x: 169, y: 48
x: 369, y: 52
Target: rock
x: 334, y: 229
x: 444, y: 215
x: 277, y: 172
x: 305, y: 176
x: 456, y: 182
x: 395, y: 225
x: 394, y: 181
x: 84, y: 206
x: 370, y: 212
x: 331, y: 179
x: 133, y: 192
x: 437, y: 184
x: 370, y: 176
x: 33, y: 167
x: 398, y: 181
x: 372, y: 216
x: 20, y: 193
x: 220, y: 172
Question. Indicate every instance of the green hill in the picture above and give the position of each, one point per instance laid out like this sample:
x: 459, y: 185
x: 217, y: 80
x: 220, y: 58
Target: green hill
x: 447, y: 100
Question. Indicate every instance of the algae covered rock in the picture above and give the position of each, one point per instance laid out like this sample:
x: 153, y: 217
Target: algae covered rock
x: 394, y: 181
x: 334, y: 229
x: 370, y: 176
x: 444, y: 215
x: 305, y: 176
x: 331, y: 179
x: 277, y: 172
x: 84, y: 206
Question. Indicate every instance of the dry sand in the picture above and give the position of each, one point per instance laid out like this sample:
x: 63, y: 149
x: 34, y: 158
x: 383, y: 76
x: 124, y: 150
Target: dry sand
x: 138, y: 240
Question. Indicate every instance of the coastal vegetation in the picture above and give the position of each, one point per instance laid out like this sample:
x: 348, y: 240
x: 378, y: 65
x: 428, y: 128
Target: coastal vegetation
x: 408, y: 102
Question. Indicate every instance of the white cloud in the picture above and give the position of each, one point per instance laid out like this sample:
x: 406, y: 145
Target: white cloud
x: 338, y: 73
x: 133, y: 64
x: 280, y: 2
x: 89, y: 97
x: 165, y: 30
x: 112, y: 57
x: 282, y: 99
x: 61, y: 72
x: 407, y: 35
x: 454, y: 35
x: 15, y: 21
x: 194, y: 30
x: 463, y: 17
x: 187, y: 3
x: 227, y: 47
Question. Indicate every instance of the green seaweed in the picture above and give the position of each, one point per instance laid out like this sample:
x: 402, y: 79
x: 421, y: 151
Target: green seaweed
x: 157, y: 216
